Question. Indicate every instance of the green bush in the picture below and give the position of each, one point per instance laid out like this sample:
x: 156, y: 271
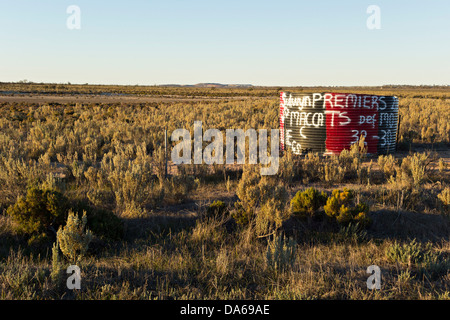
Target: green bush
x: 39, y: 211
x: 340, y: 207
x: 241, y: 216
x: 105, y: 224
x: 217, y: 208
x: 306, y: 203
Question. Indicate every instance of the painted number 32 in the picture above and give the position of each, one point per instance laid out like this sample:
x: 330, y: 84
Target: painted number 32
x: 357, y: 134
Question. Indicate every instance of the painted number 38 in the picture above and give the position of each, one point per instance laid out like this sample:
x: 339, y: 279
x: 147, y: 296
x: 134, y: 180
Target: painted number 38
x: 386, y: 137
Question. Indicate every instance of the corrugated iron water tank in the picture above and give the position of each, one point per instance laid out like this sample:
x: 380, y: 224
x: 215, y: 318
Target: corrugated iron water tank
x: 328, y: 123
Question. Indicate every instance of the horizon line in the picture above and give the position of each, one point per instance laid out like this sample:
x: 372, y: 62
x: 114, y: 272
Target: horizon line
x: 25, y: 81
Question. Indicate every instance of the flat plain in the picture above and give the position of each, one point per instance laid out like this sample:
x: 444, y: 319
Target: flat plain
x: 214, y: 231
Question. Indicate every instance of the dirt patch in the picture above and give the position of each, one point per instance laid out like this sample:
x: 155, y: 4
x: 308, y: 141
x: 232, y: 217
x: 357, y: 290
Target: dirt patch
x: 95, y: 98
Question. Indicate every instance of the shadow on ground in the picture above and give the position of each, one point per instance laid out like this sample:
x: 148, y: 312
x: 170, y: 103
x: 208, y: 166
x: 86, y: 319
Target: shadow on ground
x: 409, y: 225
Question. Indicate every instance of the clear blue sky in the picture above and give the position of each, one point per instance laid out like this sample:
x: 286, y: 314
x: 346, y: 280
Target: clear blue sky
x: 260, y: 42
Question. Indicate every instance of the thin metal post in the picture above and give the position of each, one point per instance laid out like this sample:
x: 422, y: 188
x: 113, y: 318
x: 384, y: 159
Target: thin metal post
x: 398, y: 131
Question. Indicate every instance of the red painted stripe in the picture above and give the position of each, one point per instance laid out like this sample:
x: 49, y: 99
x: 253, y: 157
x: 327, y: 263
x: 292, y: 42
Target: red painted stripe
x: 348, y: 116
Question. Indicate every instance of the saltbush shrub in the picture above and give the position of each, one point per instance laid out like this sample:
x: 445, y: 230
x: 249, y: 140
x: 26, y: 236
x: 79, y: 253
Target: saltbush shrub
x: 444, y: 200
x: 333, y: 172
x: 262, y: 201
x: 312, y: 168
x: 411, y: 253
x: 289, y: 167
x: 281, y: 253
x: 273, y: 211
x: 387, y: 165
x: 73, y: 239
x: 104, y: 223
x: 248, y: 190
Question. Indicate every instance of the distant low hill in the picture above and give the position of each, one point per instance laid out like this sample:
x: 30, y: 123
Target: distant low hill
x: 210, y: 85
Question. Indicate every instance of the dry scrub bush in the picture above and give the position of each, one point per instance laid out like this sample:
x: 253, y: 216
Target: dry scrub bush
x: 289, y: 169
x: 444, y: 200
x: 209, y: 230
x: 112, y: 150
x: 442, y: 166
x: 53, y: 182
x: 248, y: 193
x: 272, y: 213
x: 333, y: 172
x: 424, y: 120
x: 358, y: 152
x: 179, y: 187
x: 22, y: 277
x: 129, y: 181
x: 406, y: 185
x: 16, y: 174
x: 262, y: 201
x: 56, y: 274
x: 444, y: 196
x: 387, y: 165
x: 73, y: 239
x: 332, y: 169
x: 312, y: 168
x: 415, y: 167
x: 134, y: 184
x: 336, y: 168
x: 133, y: 211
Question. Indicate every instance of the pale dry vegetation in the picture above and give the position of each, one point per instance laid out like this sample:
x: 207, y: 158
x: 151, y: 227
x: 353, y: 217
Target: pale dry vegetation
x: 216, y: 232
